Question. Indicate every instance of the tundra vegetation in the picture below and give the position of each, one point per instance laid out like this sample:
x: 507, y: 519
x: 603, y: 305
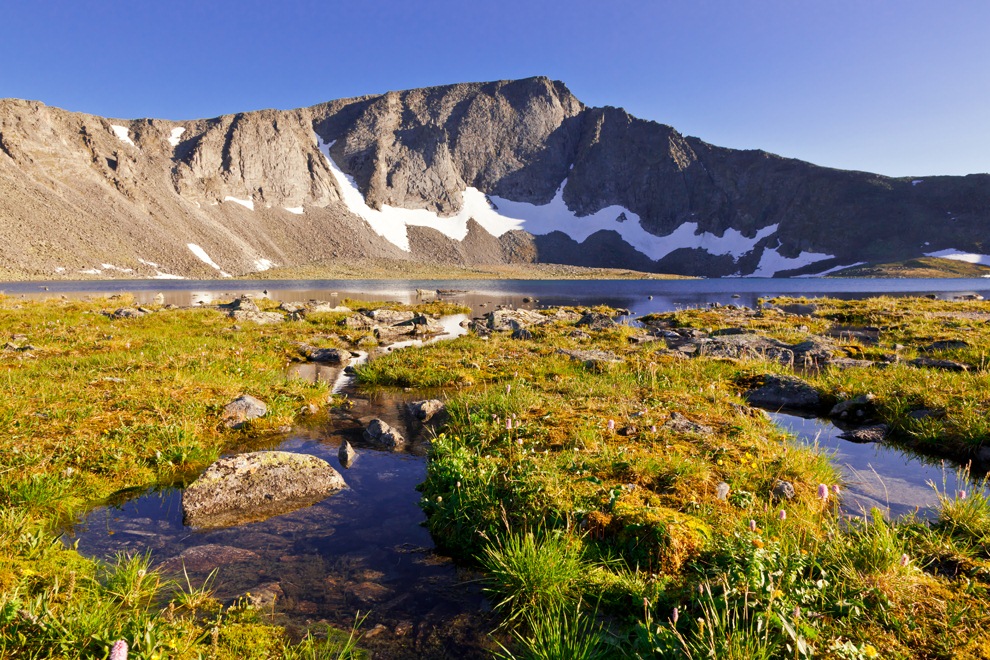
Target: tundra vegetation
x: 621, y: 497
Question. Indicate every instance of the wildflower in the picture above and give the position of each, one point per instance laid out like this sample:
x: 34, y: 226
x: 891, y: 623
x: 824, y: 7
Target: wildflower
x: 782, y: 515
x: 439, y: 499
x: 675, y: 615
x: 905, y: 560
x: 869, y: 651
x: 758, y: 543
x: 508, y: 388
x: 752, y: 526
x: 823, y: 492
x: 458, y: 484
x: 508, y: 424
x: 611, y: 425
x: 119, y: 650
x: 962, y: 494
x: 519, y: 442
x: 835, y: 489
x: 653, y: 429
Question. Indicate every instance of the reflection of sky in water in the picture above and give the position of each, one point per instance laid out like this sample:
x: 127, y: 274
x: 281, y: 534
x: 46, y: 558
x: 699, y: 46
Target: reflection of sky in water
x: 879, y: 475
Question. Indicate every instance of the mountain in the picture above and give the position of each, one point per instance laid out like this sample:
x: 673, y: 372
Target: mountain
x: 502, y: 172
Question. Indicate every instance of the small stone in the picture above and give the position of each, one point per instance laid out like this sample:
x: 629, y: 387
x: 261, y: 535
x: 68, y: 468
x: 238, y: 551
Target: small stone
x: 243, y: 408
x: 722, y: 490
x: 346, y: 454
x: 425, y: 410
x: 381, y: 434
x: 874, y: 433
x: 783, y: 490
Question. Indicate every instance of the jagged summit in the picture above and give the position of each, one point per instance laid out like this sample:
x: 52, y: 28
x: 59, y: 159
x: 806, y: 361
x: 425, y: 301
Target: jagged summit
x: 498, y: 172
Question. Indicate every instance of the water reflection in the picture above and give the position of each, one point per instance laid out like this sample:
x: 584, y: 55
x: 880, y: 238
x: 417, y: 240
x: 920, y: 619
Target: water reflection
x: 879, y: 475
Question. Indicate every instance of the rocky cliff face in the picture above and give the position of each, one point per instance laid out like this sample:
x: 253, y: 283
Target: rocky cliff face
x: 471, y: 173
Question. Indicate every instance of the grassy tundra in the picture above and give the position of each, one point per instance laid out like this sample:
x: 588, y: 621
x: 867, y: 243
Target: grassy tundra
x: 621, y: 504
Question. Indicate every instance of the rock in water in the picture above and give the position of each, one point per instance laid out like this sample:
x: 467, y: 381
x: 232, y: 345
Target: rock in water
x: 255, y: 486
x: 784, y: 392
x: 425, y: 410
x: 381, y: 434
x: 346, y: 454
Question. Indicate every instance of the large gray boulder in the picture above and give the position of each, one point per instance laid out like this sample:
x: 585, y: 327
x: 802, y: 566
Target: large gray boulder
x: 255, y: 486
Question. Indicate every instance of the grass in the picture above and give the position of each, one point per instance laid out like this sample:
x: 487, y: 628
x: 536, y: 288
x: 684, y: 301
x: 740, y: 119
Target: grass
x: 593, y: 497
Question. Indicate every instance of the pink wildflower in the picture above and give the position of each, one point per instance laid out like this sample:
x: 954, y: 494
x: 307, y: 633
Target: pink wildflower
x: 962, y: 494
x: 675, y: 615
x: 782, y: 515
x: 611, y: 425
x: 905, y: 560
x: 119, y: 650
x: 752, y: 526
x: 823, y: 492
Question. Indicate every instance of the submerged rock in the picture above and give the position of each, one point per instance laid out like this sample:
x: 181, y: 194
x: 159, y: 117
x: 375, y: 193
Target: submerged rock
x: 243, y: 408
x: 205, y: 558
x: 255, y: 486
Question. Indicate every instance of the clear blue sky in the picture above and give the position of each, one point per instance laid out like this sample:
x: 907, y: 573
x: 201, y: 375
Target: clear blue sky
x: 900, y: 87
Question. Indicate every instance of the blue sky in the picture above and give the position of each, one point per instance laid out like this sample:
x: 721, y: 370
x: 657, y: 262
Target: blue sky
x: 897, y: 87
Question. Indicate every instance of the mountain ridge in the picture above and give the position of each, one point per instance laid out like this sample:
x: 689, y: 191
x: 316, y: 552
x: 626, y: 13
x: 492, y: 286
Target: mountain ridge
x: 499, y: 172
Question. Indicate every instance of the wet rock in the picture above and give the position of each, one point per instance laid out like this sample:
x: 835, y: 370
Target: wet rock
x: 681, y: 424
x: 933, y: 363
x: 204, y: 558
x: 596, y: 321
x: 874, y: 433
x: 784, y: 392
x: 424, y: 411
x: 256, y: 486
x: 381, y: 434
x: 855, y: 408
x: 782, y: 490
x: 346, y: 454
x: 592, y: 359
x: 243, y: 408
x: 367, y: 592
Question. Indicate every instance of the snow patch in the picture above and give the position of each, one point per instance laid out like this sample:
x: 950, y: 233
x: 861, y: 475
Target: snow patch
x: 917, y: 181
x: 959, y: 255
x: 123, y: 134
x: 205, y: 258
x: 298, y: 210
x: 246, y: 203
x: 117, y: 268
x: 834, y: 269
x: 159, y: 275
x: 263, y: 264
x: 498, y: 215
x: 555, y: 216
x: 90, y: 271
x: 391, y: 222
x: 173, y: 138
x: 771, y: 262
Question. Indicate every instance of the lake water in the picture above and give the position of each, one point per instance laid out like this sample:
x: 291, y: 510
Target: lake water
x: 634, y: 295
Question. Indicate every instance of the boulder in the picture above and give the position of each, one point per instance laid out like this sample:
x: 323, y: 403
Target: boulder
x: 261, y: 318
x: 242, y: 304
x: 391, y: 316
x: 784, y: 392
x: 325, y: 355
x: 243, y: 408
x: 255, y: 486
x: 859, y: 407
x: 425, y: 410
x: 381, y: 434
